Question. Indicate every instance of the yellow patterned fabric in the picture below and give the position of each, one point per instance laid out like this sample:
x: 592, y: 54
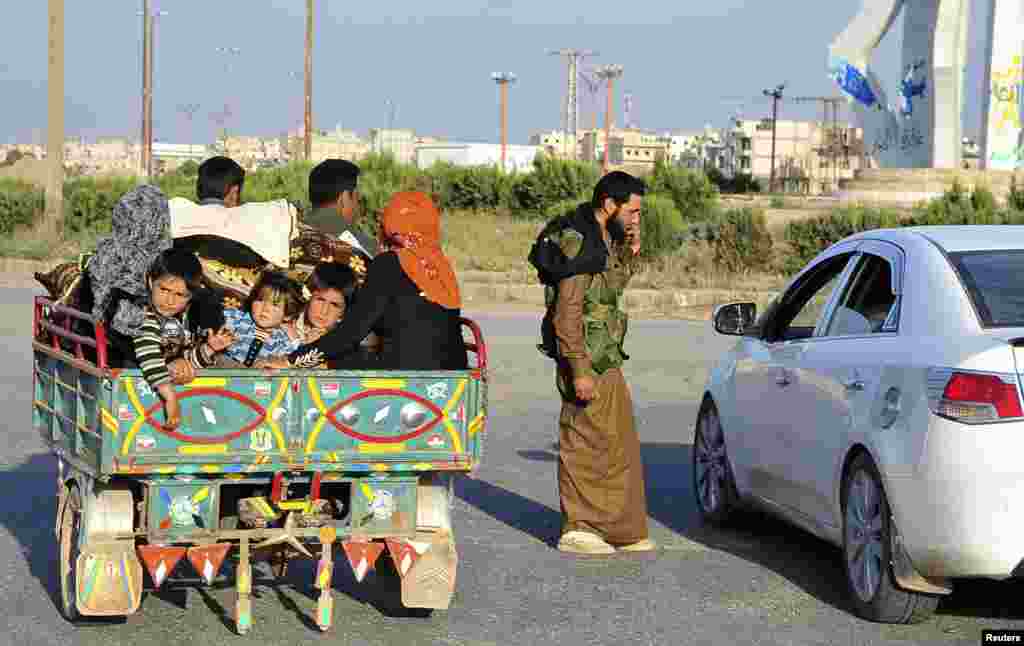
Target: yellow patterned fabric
x: 308, y: 249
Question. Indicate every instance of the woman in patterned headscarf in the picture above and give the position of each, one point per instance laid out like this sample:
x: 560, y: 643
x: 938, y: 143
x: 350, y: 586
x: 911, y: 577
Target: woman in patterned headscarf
x: 140, y: 228
x: 115, y: 276
x: 410, y: 299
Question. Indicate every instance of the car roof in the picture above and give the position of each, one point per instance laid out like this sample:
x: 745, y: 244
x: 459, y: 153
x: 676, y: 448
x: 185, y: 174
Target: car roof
x: 953, y: 238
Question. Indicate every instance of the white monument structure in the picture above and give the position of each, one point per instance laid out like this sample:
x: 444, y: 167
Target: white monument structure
x: 922, y: 127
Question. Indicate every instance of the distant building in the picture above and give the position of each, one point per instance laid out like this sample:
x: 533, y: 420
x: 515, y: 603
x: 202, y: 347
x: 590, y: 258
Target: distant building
x: 335, y: 144
x: 636, y: 151
x: 555, y: 143
x: 518, y: 158
x: 399, y: 142
x: 810, y: 156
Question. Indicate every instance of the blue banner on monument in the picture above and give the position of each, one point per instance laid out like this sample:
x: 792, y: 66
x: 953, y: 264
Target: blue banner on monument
x: 850, y: 80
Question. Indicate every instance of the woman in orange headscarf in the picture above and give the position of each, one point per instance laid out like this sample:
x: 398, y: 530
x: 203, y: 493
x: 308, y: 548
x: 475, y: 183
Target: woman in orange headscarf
x: 410, y: 299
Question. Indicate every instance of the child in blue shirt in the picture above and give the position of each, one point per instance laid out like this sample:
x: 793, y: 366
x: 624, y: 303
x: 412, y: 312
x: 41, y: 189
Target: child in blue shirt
x: 259, y: 328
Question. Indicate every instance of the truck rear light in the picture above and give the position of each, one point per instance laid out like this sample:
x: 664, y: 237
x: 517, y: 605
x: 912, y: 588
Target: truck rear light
x: 974, y: 398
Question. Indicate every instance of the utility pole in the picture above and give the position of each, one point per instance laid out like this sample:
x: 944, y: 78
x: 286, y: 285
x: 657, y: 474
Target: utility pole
x: 55, y: 119
x: 309, y: 81
x: 609, y: 73
x: 147, y: 89
x: 572, y: 112
x: 503, y: 79
x: 150, y: 37
x: 776, y: 96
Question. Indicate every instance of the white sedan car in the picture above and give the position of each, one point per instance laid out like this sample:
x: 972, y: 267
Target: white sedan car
x: 877, y: 404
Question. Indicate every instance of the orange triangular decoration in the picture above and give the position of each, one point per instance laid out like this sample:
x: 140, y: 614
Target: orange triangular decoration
x: 160, y: 561
x: 362, y: 556
x: 208, y: 559
x: 403, y: 554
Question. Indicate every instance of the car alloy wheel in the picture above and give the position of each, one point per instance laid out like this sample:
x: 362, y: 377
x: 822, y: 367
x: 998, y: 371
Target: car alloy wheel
x: 713, y: 483
x: 864, y: 553
x: 867, y: 551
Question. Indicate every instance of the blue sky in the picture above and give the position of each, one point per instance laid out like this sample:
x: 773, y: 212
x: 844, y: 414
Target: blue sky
x: 686, y: 63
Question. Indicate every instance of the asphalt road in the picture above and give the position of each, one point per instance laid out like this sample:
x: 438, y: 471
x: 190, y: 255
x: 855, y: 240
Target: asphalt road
x: 758, y: 582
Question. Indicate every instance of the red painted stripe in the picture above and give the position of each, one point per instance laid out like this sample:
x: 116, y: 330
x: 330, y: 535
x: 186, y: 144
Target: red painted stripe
x: 386, y: 392
x: 223, y: 439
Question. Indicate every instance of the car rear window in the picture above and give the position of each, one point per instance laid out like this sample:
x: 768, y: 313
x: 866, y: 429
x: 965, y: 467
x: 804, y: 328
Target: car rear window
x: 995, y: 283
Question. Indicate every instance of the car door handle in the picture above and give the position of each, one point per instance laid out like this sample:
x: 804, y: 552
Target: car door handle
x: 854, y: 384
x: 782, y: 378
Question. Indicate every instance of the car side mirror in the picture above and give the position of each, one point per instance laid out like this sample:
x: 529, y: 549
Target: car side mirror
x: 733, y: 319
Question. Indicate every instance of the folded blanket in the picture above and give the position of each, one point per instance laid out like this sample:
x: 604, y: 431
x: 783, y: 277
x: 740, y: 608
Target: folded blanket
x: 265, y: 227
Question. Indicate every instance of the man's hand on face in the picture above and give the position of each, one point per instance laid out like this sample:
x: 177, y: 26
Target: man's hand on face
x: 633, y: 236
x: 584, y: 387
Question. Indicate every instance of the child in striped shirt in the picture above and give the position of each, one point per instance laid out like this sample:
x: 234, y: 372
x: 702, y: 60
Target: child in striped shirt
x: 168, y: 334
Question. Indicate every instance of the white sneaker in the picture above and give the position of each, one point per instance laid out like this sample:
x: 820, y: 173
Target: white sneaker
x: 579, y: 542
x: 645, y: 545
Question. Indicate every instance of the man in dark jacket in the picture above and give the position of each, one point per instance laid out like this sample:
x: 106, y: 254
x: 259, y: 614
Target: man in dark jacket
x: 335, y: 201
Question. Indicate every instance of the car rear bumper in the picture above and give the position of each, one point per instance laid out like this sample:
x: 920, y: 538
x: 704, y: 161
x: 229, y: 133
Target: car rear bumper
x: 961, y: 510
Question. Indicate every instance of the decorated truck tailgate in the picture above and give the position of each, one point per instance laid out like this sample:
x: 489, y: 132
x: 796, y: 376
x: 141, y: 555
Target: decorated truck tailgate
x: 243, y: 421
x: 279, y: 466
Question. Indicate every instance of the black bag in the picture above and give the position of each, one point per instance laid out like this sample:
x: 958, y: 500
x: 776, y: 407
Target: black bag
x: 553, y: 266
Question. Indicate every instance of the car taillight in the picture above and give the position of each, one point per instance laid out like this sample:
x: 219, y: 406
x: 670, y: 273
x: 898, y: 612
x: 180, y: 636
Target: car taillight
x: 975, y: 397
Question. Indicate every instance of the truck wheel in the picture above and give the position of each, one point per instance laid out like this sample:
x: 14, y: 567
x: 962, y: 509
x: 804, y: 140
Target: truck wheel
x: 867, y: 547
x: 70, y: 530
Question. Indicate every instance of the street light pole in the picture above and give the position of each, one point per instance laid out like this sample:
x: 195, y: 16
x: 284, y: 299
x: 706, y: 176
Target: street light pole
x: 776, y: 96
x: 55, y: 118
x: 503, y: 79
x: 309, y: 81
x: 609, y: 73
x: 148, y: 25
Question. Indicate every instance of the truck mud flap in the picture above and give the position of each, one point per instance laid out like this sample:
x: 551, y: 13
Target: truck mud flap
x: 427, y: 566
x: 109, y: 577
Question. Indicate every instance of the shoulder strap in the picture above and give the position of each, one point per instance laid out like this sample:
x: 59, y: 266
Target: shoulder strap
x: 548, y: 254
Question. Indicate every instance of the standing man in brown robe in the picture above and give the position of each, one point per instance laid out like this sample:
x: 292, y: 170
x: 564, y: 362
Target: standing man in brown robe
x: 600, y: 473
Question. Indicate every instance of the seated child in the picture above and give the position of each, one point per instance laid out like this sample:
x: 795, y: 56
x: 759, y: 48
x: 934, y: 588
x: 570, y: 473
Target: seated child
x: 259, y: 329
x: 169, y: 331
x: 328, y: 291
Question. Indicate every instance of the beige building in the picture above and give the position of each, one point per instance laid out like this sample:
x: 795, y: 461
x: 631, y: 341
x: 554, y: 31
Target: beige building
x: 554, y: 143
x: 810, y: 156
x: 400, y: 142
x: 252, y: 151
x: 104, y: 156
x: 336, y: 144
x: 636, y: 151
